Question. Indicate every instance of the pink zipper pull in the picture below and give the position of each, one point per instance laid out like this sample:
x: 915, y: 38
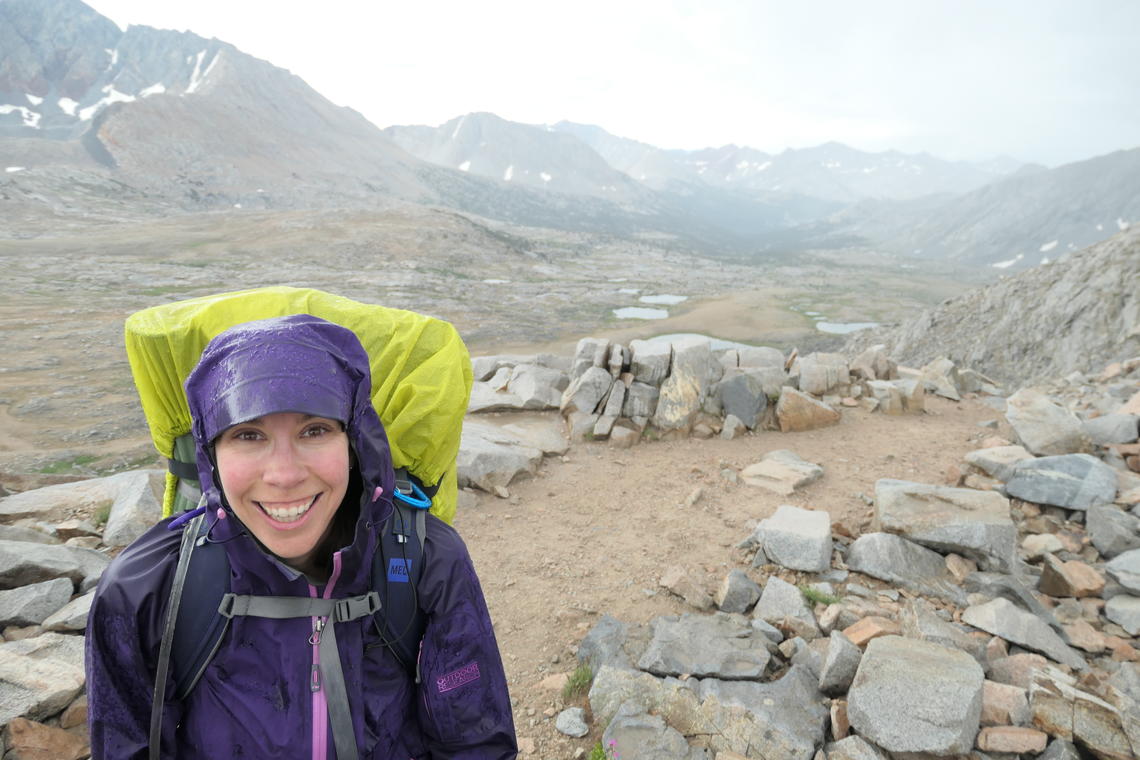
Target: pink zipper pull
x: 315, y: 679
x: 318, y: 626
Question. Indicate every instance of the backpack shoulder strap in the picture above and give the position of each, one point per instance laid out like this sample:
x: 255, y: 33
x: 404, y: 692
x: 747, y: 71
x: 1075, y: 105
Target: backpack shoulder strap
x: 193, y: 627
x: 397, y: 569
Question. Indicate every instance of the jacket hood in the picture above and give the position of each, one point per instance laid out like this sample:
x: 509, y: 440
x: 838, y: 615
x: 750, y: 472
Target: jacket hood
x: 298, y: 363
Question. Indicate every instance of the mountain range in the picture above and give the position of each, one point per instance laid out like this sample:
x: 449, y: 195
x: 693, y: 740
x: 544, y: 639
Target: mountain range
x: 99, y: 123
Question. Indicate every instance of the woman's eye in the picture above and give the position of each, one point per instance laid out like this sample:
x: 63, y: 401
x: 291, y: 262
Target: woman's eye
x: 315, y: 431
x: 247, y: 435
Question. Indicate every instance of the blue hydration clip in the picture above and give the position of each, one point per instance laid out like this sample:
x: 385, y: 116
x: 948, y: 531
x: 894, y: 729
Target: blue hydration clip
x: 411, y: 494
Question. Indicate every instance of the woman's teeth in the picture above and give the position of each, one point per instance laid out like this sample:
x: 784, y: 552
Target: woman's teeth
x: 287, y: 514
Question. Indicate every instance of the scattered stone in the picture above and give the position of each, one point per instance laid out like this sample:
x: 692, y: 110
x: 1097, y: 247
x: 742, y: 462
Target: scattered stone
x: 853, y: 748
x: 1125, y: 569
x: 870, y: 627
x: 1059, y: 749
x: 781, y: 471
x: 1001, y: 618
x: 781, y: 600
x: 797, y: 411
x: 919, y: 620
x: 586, y: 392
x: 799, y: 539
x: 1083, y: 636
x: 1044, y: 427
x: 705, y: 646
x: 839, y: 667
x: 28, y: 740
x: 882, y: 702
x: 75, y: 528
x: 23, y: 563
x: 1073, y: 578
x: 1004, y: 705
x: 1065, y: 712
x: 998, y: 461
x: 1111, y: 530
x: 994, y: 585
x: 1124, y: 610
x: 823, y: 373
x: 974, y: 523
x: 941, y: 378
x: 572, y: 722
x: 490, y: 456
x: 678, y: 582
x: 32, y: 604
x: 75, y: 715
x: 604, y: 643
x: 650, y: 361
x: 1037, y: 545
x: 1072, y: 481
x: 733, y: 428
x: 1111, y: 428
x: 72, y: 616
x: 742, y: 396
x: 903, y: 563
x: 40, y: 676
x: 1012, y: 739
x: 687, y: 385
x: 737, y: 593
x: 960, y: 567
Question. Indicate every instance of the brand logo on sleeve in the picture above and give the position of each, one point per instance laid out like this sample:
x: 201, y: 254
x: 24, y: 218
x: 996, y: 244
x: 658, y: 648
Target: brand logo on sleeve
x: 457, y: 678
x: 399, y: 569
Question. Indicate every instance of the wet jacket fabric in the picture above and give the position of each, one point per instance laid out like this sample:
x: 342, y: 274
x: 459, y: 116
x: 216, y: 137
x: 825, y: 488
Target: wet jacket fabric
x: 261, y: 696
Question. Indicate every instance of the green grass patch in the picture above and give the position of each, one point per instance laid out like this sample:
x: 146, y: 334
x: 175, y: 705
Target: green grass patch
x: 815, y: 596
x: 578, y: 683
x: 102, y: 515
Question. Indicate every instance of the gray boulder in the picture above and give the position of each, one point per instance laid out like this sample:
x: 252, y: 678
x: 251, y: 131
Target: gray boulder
x: 761, y: 356
x: 874, y: 364
x: 23, y: 563
x: 572, y: 722
x: 904, y: 563
x: 590, y: 352
x: 71, y: 617
x: 1044, y: 427
x: 1072, y: 481
x: 1112, y: 530
x: 603, y: 645
x: 638, y: 735
x: 737, y: 593
x: 888, y: 395
x: 1112, y: 428
x: 490, y: 457
x: 781, y: 471
x: 976, y: 524
x: 999, y: 461
x: 538, y: 430
x: 940, y: 377
x: 1001, y: 617
x: 485, y: 397
x: 1124, y: 610
x: 798, y: 539
x: 742, y: 395
x: 640, y: 400
x: 1125, y: 570
x: 919, y: 621
x: 585, y: 393
x: 683, y: 392
x: 914, y: 696
x: 32, y: 604
x: 1001, y: 585
x: 781, y: 600
x: 823, y: 373
x: 538, y: 387
x: 650, y: 361
x: 840, y: 665
x: 797, y: 411
x: 136, y: 508
x: 40, y: 676
x: 853, y: 748
x: 706, y: 646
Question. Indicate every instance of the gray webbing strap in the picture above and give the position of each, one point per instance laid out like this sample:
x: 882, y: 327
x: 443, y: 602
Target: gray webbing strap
x: 189, y: 535
x: 339, y: 611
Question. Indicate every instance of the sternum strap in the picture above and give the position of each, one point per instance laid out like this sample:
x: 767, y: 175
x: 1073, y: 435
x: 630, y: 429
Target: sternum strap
x: 337, y: 611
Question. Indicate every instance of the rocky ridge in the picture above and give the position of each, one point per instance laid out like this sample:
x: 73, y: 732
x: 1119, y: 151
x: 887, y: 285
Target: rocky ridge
x: 1042, y: 323
x: 1027, y: 608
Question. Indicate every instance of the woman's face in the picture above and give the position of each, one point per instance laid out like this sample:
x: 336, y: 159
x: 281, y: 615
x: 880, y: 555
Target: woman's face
x: 285, y: 475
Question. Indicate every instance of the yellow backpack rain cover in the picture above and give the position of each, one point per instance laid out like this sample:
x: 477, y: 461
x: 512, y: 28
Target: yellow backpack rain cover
x: 421, y: 374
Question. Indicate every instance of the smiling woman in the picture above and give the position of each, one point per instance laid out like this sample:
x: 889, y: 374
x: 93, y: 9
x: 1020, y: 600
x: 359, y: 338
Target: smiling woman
x: 299, y: 501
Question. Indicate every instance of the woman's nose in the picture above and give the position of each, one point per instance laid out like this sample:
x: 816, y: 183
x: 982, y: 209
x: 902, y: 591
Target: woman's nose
x: 284, y: 467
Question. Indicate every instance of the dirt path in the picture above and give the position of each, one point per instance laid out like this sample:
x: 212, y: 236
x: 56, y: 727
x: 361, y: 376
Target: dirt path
x: 593, y: 532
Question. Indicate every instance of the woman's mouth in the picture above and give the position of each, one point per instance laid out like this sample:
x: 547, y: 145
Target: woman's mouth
x: 287, y: 511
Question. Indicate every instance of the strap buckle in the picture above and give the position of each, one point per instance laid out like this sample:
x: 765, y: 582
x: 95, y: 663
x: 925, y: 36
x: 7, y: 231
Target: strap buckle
x: 356, y: 607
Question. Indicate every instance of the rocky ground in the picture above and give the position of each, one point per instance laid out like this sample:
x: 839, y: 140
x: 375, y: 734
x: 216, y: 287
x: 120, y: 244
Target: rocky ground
x: 618, y: 557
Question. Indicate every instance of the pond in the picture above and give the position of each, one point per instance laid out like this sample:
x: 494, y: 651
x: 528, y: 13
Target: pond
x: 666, y: 300
x: 842, y: 328
x: 640, y: 312
x: 718, y: 344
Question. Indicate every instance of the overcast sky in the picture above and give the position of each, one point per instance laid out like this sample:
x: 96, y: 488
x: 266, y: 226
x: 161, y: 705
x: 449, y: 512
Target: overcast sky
x: 1050, y: 81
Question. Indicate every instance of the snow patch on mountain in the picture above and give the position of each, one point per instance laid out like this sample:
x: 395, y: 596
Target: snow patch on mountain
x: 30, y: 117
x: 112, y: 96
x: 33, y: 99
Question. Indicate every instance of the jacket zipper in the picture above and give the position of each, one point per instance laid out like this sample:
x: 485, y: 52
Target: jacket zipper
x: 320, y: 702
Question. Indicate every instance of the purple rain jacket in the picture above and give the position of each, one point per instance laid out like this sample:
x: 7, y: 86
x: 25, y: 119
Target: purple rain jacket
x: 255, y: 700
